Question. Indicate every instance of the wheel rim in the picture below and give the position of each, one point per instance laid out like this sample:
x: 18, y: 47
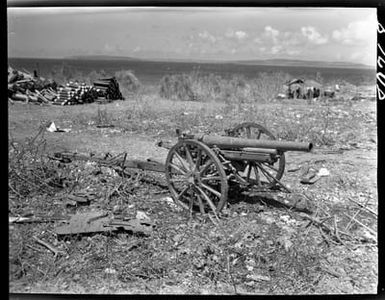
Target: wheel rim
x: 195, y: 177
x: 259, y: 174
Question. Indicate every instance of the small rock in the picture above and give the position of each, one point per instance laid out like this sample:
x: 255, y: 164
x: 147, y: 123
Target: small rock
x: 140, y: 215
x: 257, y: 277
x: 285, y: 218
x: 110, y: 271
x: 323, y: 172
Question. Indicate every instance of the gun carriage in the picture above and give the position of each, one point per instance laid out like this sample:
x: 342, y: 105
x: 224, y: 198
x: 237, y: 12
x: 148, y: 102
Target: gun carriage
x: 200, y: 169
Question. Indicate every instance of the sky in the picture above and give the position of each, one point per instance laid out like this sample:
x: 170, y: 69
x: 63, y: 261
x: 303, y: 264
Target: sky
x: 322, y: 34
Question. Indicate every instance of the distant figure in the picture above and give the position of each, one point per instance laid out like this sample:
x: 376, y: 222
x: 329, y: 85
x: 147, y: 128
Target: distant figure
x: 35, y: 74
x: 297, y: 93
x: 337, y: 88
x: 316, y: 93
x: 310, y: 92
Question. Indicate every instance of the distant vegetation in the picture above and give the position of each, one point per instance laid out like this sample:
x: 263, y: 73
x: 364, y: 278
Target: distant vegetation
x: 236, y: 89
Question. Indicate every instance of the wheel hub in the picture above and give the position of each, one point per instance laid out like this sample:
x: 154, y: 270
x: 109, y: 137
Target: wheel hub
x: 193, y: 178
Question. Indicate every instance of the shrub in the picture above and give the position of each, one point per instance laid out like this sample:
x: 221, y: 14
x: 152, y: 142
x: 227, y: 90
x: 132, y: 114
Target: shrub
x: 177, y: 87
x: 235, y: 90
x: 128, y: 80
x: 266, y: 86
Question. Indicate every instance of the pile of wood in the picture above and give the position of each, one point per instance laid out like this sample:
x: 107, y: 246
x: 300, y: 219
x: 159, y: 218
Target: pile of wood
x: 27, y: 87
x: 23, y: 86
x: 75, y: 93
x: 107, y: 90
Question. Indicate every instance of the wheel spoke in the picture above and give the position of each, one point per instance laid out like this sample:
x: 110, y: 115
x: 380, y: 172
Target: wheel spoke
x: 199, y: 159
x: 271, y: 167
x: 182, y: 192
x: 211, y: 178
x: 248, y: 171
x: 257, y: 177
x: 189, y: 157
x: 177, y: 179
x: 268, y: 176
x: 212, y: 190
x: 201, y: 207
x: 208, y: 200
x: 205, y: 166
x: 182, y: 161
x: 178, y: 169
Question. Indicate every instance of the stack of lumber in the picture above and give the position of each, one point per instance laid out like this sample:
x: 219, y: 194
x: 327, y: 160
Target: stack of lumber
x: 107, y: 89
x: 75, y: 93
x: 23, y: 86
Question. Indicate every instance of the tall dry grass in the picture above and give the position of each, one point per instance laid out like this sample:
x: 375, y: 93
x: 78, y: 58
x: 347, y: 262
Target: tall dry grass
x: 198, y: 86
x: 128, y: 82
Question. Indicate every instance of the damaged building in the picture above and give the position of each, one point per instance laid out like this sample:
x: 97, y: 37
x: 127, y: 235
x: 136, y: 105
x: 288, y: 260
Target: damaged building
x: 303, y: 89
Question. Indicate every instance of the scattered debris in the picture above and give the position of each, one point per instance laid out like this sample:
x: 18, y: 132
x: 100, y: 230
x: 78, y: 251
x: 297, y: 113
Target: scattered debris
x: 140, y: 215
x: 33, y: 219
x: 25, y: 87
x: 93, y: 222
x: 256, y: 277
x: 73, y: 200
x: 48, y: 246
x: 52, y: 128
x: 309, y: 177
x: 323, y: 172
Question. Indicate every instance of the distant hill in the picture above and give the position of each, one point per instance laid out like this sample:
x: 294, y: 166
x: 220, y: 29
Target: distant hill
x: 103, y: 57
x: 301, y: 63
x: 264, y: 62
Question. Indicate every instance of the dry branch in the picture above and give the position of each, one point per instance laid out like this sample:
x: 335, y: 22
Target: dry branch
x: 48, y: 246
x: 364, y: 207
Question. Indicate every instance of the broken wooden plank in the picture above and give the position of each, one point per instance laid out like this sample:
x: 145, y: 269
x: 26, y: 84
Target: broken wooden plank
x: 149, y: 165
x: 94, y: 222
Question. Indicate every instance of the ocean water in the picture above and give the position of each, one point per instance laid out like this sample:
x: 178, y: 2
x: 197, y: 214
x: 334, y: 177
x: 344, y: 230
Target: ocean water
x: 150, y: 72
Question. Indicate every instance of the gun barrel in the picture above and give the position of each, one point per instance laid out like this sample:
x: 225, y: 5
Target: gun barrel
x: 224, y: 142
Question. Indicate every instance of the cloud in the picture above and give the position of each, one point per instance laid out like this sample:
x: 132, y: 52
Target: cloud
x: 293, y: 52
x: 313, y: 35
x: 137, y: 49
x: 357, y: 33
x: 276, y: 49
x: 108, y: 48
x: 271, y: 33
x: 239, y: 34
x: 205, y: 35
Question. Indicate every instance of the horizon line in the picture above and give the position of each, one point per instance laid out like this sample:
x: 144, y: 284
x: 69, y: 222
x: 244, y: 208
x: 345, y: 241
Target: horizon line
x: 193, y: 59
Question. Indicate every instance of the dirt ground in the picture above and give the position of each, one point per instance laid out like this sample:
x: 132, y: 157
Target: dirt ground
x: 321, y: 264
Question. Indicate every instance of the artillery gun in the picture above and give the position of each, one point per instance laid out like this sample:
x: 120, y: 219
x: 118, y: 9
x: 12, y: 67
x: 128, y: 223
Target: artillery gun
x: 201, y: 169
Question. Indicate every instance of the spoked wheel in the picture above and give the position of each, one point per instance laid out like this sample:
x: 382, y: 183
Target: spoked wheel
x: 259, y: 174
x: 195, y: 177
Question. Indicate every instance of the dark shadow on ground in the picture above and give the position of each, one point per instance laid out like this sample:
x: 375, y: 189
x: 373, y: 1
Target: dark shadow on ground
x: 293, y: 201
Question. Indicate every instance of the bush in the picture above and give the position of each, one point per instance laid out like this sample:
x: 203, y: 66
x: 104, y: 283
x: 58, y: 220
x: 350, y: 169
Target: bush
x: 267, y: 86
x: 177, y: 87
x: 128, y: 81
x: 211, y: 87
